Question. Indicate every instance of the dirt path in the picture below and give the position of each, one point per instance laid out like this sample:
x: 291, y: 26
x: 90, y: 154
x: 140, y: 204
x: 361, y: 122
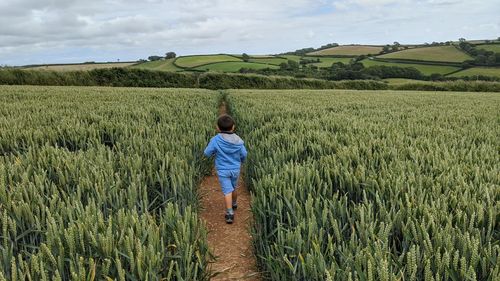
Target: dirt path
x: 230, y: 243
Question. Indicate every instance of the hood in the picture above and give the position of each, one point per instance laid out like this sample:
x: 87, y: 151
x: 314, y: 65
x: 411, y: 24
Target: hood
x: 229, y: 143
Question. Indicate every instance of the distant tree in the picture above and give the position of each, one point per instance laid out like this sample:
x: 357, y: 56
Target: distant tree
x: 360, y: 58
x: 481, y: 59
x: 461, y: 40
x: 154, y: 58
x: 396, y: 43
x: 304, y: 61
x: 394, y: 48
x: 283, y: 66
x: 491, y: 60
x: 245, y: 57
x: 331, y: 45
x: 170, y: 55
x: 467, y: 64
x: 303, y: 51
x: 386, y: 48
x: 339, y: 65
x: 436, y: 76
x: 356, y: 66
x: 293, y: 65
x: 498, y: 39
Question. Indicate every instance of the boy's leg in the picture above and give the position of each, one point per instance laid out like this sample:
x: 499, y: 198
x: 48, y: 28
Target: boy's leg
x: 234, y: 182
x: 235, y: 197
x: 228, y: 198
x: 227, y: 189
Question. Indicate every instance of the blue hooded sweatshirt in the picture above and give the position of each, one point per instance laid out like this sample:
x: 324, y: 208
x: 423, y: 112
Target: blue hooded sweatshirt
x: 228, y: 149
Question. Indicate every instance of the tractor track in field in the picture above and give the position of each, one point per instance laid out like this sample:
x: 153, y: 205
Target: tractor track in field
x: 231, y: 244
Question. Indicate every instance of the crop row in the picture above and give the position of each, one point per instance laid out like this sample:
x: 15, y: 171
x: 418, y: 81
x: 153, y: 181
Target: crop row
x: 374, y: 185
x: 100, y: 183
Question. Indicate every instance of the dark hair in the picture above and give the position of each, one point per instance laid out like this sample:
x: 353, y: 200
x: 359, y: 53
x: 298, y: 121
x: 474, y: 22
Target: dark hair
x: 225, y: 122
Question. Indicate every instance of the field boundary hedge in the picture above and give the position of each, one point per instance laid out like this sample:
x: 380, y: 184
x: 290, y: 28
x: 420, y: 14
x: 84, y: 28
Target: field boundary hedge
x: 458, y: 86
x: 82, y: 63
x: 120, y: 77
x: 127, y: 77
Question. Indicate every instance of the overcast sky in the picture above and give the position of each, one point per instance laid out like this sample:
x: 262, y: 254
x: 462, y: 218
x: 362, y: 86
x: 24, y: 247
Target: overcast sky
x: 57, y: 31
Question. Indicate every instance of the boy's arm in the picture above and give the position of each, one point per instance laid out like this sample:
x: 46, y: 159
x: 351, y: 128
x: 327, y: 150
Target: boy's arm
x: 243, y: 153
x: 210, y: 149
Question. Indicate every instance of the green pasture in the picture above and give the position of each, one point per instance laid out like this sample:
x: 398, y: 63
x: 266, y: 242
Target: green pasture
x: 475, y: 71
x: 348, y: 50
x: 194, y: 61
x: 268, y: 60
x: 439, y: 53
x: 490, y: 47
x: 233, y: 66
x: 425, y: 69
x: 166, y: 65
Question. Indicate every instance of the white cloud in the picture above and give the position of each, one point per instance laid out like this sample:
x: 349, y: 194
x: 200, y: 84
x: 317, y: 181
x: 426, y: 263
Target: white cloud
x: 42, y: 31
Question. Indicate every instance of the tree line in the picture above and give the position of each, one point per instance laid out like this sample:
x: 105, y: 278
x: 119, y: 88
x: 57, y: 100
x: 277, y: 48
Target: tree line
x: 168, y: 55
x: 481, y: 57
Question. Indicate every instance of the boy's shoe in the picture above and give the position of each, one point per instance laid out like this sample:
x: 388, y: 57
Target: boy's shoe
x: 229, y: 218
x: 235, y: 205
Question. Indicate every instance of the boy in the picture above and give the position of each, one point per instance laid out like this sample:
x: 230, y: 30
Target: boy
x: 229, y: 153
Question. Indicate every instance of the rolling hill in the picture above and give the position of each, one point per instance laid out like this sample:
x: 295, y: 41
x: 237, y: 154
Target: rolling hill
x: 165, y: 65
x: 426, y: 69
x: 433, y: 54
x: 233, y: 66
x: 445, y: 60
x: 490, y: 47
x: 79, y: 66
x: 478, y: 71
x: 194, y: 61
x: 348, y: 50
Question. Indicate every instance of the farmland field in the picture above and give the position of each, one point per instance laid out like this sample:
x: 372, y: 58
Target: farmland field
x: 234, y: 66
x: 292, y: 57
x: 80, y: 66
x: 348, y: 50
x: 373, y: 185
x: 99, y: 183
x: 102, y: 182
x: 425, y: 69
x: 269, y: 60
x: 439, y: 53
x: 327, y: 62
x: 400, y: 81
x: 165, y: 65
x: 490, y: 47
x: 474, y: 71
x: 193, y: 61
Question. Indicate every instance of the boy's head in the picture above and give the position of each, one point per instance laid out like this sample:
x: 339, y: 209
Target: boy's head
x: 225, y: 123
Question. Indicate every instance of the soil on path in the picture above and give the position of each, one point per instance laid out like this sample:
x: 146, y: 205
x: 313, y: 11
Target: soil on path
x: 230, y: 243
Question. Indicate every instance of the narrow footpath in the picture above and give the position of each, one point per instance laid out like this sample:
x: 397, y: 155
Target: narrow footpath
x: 230, y: 243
